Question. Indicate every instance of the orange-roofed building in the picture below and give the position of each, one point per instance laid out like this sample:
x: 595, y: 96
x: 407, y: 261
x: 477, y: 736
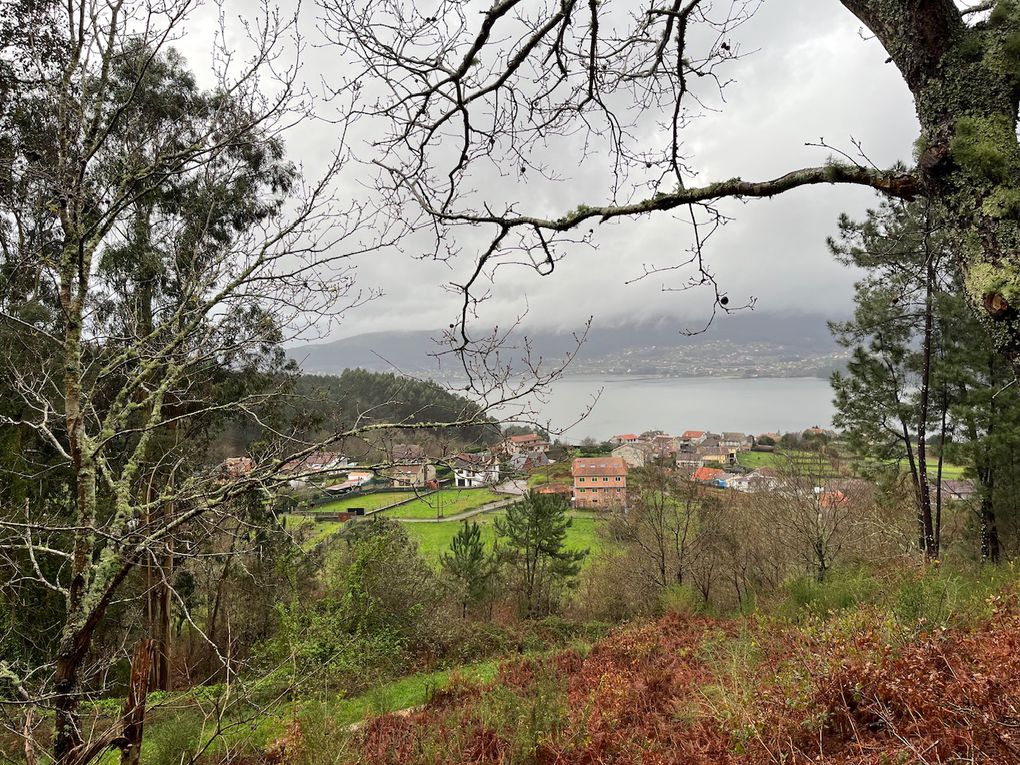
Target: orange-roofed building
x: 599, y: 482
x: 707, y: 474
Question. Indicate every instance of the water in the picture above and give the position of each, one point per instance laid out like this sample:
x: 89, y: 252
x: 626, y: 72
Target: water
x: 675, y: 404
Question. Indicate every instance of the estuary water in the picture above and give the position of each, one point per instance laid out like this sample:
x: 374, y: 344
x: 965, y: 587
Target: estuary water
x: 623, y: 404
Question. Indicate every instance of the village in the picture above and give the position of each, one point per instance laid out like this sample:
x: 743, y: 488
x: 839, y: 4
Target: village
x: 592, y: 476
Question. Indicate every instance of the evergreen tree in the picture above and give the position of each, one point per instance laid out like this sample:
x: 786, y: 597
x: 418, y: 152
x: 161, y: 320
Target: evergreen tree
x: 884, y: 401
x: 923, y: 372
x: 469, y: 566
x: 532, y: 536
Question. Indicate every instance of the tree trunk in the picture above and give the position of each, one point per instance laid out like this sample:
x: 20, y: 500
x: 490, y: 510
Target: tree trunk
x: 929, y: 543
x: 966, y: 87
x: 134, y: 706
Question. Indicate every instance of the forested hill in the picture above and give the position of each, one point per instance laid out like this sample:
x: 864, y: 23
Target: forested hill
x: 360, y: 395
x: 319, y: 405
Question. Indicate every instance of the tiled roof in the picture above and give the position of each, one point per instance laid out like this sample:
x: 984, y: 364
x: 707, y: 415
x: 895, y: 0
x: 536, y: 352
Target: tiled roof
x: 469, y: 461
x: 707, y: 474
x: 598, y: 466
x: 554, y: 488
x: 693, y: 434
x: 524, y: 439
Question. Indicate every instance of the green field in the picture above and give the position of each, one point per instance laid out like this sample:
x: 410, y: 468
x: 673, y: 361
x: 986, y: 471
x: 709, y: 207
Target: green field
x: 367, y: 501
x: 448, y: 502
x: 434, y: 538
x: 317, y: 530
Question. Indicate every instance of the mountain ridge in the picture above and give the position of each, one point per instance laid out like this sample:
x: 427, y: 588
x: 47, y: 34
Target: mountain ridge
x: 742, y: 344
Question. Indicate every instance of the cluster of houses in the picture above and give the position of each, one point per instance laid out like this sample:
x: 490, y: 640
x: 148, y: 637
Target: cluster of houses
x: 597, y: 482
x: 692, y: 448
x: 710, y: 459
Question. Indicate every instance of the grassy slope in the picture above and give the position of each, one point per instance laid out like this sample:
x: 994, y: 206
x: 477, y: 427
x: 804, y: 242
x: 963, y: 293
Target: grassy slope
x: 864, y: 670
x: 176, y: 729
x: 434, y: 538
x: 450, y: 501
x: 367, y: 501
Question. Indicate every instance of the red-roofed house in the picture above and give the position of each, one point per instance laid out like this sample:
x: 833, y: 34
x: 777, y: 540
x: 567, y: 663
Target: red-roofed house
x: 599, y: 482
x: 707, y: 474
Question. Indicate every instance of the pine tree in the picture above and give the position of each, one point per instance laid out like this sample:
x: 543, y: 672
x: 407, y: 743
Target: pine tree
x: 533, y: 547
x: 923, y: 371
x: 885, y: 400
x: 470, y: 567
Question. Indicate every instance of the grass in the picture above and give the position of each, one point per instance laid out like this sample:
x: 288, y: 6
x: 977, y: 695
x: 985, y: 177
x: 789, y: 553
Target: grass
x: 367, y: 501
x: 449, y: 501
x: 318, y: 530
x: 434, y: 538
x: 558, y: 472
x: 404, y: 693
x: 175, y: 731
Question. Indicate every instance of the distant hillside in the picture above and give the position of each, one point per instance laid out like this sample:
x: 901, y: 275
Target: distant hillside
x: 744, y: 344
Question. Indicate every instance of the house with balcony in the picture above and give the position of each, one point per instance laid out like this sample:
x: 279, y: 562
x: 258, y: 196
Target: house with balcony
x: 418, y: 476
x: 624, y: 438
x: 471, y: 471
x: 525, y: 442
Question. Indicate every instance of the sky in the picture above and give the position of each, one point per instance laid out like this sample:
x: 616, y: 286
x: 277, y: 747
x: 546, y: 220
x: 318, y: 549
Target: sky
x: 810, y: 73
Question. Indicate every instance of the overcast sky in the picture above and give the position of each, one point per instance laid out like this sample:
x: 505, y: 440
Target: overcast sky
x: 812, y: 75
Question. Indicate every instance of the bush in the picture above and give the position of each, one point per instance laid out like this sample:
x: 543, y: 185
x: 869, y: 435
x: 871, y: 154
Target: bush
x: 682, y: 599
x: 839, y: 591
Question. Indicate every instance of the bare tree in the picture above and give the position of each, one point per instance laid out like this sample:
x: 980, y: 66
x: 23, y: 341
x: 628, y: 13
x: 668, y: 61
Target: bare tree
x: 662, y: 527
x: 466, y: 92
x: 814, y: 512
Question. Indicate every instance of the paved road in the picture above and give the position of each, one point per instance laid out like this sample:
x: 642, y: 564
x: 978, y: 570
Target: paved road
x: 517, y: 487
x: 461, y: 516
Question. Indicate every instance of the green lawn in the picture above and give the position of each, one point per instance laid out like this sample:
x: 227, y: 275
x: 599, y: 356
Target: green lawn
x: 448, y: 502
x: 434, y: 538
x: 367, y: 501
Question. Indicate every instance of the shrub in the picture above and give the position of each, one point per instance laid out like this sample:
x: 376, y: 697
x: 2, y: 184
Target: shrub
x: 839, y: 591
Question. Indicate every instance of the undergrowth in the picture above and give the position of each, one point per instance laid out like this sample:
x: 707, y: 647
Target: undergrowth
x: 865, y: 668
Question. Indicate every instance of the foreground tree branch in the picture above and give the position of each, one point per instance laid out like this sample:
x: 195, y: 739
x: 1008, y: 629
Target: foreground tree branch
x: 522, y: 87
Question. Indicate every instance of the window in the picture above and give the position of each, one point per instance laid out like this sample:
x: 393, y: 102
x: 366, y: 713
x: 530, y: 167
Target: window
x: 617, y: 479
x: 581, y: 479
x: 605, y: 478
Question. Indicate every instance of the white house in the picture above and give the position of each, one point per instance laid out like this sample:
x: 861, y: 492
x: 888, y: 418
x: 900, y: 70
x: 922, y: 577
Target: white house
x: 636, y: 455
x: 474, y: 470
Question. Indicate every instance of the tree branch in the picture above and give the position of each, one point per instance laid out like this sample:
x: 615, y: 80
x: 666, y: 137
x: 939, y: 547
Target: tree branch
x: 892, y: 182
